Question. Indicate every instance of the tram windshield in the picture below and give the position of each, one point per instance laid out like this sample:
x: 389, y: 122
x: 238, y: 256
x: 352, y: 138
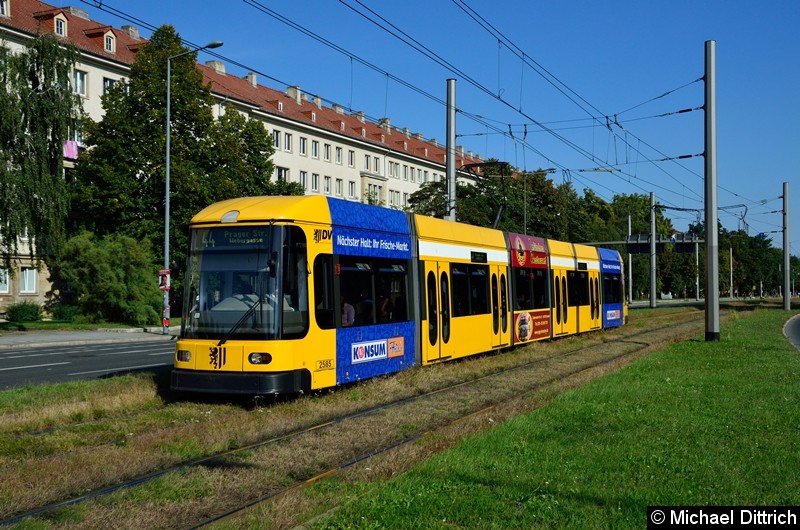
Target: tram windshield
x: 246, y: 283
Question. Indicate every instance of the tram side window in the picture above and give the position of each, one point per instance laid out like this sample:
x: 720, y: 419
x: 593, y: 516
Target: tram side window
x: 325, y: 305
x: 376, y: 288
x: 539, y: 279
x: 522, y: 288
x: 530, y: 289
x: 470, y: 289
x: 391, y: 283
x: 612, y: 289
x: 294, y: 286
x: 355, y: 286
x: 578, y: 285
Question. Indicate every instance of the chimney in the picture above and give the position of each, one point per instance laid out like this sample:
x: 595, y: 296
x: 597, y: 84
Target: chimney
x: 252, y: 78
x: 132, y: 31
x: 385, y: 124
x: 295, y: 93
x: 360, y: 116
x: 406, y: 132
x: 218, y: 66
x: 419, y: 136
x: 460, y: 150
x: 318, y: 102
x: 338, y: 108
x: 78, y: 12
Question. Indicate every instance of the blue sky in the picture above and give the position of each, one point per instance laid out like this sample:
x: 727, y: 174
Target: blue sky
x: 605, y: 79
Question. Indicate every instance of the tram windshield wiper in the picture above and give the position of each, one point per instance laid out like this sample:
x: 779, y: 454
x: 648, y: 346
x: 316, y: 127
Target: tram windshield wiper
x: 256, y: 305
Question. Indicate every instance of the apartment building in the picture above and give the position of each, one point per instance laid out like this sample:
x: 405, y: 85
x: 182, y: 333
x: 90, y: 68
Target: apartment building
x: 327, y: 150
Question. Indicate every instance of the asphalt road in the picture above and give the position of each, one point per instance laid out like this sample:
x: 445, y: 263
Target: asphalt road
x: 39, y: 358
x: 792, y: 331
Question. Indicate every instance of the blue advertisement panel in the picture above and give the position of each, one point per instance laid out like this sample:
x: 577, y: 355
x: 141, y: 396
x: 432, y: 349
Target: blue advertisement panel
x: 369, y: 351
x: 366, y: 230
x: 610, y: 261
x: 611, y: 272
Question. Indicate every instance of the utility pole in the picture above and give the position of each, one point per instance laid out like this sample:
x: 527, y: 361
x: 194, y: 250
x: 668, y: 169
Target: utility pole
x: 652, y: 249
x: 630, y: 266
x: 712, y: 231
x: 450, y: 162
x: 787, y: 293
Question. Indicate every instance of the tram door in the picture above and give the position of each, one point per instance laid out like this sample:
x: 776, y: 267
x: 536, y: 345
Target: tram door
x: 436, y: 342
x: 594, y: 300
x: 560, y: 317
x: 501, y: 327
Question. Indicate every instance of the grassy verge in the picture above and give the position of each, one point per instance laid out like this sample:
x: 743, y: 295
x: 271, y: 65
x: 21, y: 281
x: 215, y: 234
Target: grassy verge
x: 699, y: 423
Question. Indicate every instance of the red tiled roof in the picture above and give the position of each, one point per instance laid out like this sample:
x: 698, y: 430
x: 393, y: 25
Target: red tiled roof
x: 35, y: 17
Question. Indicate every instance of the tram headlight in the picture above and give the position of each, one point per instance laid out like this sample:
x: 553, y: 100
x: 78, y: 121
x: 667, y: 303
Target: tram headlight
x: 259, y: 358
x: 184, y: 356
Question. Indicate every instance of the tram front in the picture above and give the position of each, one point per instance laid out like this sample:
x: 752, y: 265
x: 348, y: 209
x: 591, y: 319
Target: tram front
x: 245, y: 305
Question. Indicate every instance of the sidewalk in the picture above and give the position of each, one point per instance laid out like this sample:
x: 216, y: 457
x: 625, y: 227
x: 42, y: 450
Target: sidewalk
x: 38, y: 339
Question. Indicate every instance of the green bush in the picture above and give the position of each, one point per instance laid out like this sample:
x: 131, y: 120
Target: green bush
x: 24, y: 312
x: 64, y: 312
x: 111, y: 279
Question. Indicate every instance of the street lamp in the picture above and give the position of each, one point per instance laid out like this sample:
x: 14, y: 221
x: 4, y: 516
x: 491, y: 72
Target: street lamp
x: 165, y: 313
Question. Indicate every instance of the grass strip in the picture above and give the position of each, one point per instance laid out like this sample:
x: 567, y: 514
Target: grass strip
x: 700, y: 423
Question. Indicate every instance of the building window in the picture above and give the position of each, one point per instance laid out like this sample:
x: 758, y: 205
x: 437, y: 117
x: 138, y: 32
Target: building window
x: 405, y: 200
x: 326, y: 152
x: 314, y: 182
x: 314, y: 149
x: 405, y: 172
x: 339, y: 187
x: 282, y: 174
x: 76, y: 132
x: 377, y: 165
x: 4, y: 8
x: 3, y: 278
x: 276, y: 139
x: 351, y: 158
x: 79, y: 82
x: 327, y: 184
x: 351, y: 189
x: 287, y: 142
x: 339, y: 155
x: 27, y: 281
x: 303, y: 145
x: 109, y: 40
x: 61, y: 27
x: 107, y: 84
x: 366, y: 162
x: 304, y: 179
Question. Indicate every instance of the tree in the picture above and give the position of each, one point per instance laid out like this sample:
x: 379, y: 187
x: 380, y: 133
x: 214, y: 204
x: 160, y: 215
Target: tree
x: 109, y: 278
x: 39, y: 108
x: 120, y: 184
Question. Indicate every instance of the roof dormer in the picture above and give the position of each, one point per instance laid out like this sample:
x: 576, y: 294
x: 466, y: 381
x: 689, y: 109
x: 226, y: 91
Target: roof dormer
x: 103, y: 36
x: 57, y: 18
x: 60, y: 25
x: 110, y: 42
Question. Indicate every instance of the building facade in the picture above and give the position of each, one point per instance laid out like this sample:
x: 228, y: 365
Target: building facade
x: 324, y: 148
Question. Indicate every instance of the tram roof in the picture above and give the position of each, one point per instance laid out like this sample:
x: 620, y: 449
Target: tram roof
x: 312, y: 208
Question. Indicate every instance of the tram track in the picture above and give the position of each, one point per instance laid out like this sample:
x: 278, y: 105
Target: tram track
x: 283, y: 463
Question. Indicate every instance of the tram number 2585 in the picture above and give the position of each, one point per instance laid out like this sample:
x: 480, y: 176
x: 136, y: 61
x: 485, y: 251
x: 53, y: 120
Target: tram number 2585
x: 325, y: 364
